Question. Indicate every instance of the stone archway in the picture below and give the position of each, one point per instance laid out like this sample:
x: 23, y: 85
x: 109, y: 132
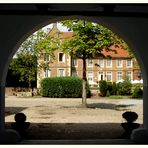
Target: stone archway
x: 14, y: 29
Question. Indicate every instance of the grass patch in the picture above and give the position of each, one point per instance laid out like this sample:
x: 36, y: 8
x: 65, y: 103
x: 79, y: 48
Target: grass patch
x: 115, y: 97
x: 119, y: 97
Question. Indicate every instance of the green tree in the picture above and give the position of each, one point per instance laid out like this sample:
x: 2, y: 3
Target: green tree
x: 25, y: 63
x: 88, y: 41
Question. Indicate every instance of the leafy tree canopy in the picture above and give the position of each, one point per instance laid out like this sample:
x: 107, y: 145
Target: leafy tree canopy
x: 25, y: 65
x: 89, y: 39
x: 25, y: 62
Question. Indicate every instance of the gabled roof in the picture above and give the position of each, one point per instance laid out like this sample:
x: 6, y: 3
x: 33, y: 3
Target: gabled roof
x: 120, y: 52
x: 62, y: 35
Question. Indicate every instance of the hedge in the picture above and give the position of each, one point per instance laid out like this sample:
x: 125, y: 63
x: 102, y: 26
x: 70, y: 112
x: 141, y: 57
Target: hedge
x: 122, y: 88
x: 62, y: 87
x: 137, y: 92
x: 103, y: 88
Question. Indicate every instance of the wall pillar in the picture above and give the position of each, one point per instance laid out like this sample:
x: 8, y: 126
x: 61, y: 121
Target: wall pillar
x: 140, y: 135
x: 15, y: 28
x: 6, y: 136
x: 2, y: 106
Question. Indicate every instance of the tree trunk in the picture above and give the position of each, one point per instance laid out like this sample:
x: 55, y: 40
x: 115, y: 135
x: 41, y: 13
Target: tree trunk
x: 84, y: 97
x: 30, y: 87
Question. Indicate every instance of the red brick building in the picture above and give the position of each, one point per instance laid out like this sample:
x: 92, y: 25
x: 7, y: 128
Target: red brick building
x: 115, y: 69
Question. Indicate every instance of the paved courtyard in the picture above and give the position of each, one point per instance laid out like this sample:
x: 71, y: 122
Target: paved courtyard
x: 64, y: 118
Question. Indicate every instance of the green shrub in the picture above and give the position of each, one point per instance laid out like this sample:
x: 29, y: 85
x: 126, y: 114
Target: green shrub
x: 114, y: 89
x: 137, y: 92
x: 109, y: 87
x: 136, y: 85
x: 62, y: 87
x: 103, y: 88
x: 124, y: 88
x: 108, y: 93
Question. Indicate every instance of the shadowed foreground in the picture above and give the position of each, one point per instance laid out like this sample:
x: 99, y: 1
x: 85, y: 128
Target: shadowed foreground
x: 73, y: 131
x: 64, y: 119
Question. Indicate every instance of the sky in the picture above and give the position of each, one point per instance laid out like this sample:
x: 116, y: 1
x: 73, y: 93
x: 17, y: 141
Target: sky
x: 59, y: 26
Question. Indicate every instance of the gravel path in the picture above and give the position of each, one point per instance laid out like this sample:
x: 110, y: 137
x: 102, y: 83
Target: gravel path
x: 53, y: 118
x: 131, y: 101
x: 61, y: 110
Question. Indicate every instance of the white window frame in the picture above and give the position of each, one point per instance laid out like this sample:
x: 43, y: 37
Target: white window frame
x: 63, y: 58
x: 120, y: 75
x: 90, y: 76
x: 118, y: 63
x: 102, y: 62
x: 47, y: 73
x: 59, y: 72
x: 127, y: 63
x: 74, y: 62
x: 107, y: 62
x: 127, y: 74
x: 109, y: 73
x: 90, y: 64
x: 101, y: 73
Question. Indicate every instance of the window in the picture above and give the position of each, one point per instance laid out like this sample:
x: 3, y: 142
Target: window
x: 108, y: 76
x: 61, y: 57
x: 90, y: 76
x: 129, y: 63
x: 101, y: 62
x: 119, y: 63
x: 100, y: 75
x: 46, y: 57
x: 61, y: 72
x: 74, y: 73
x: 74, y: 62
x: 47, y: 73
x: 119, y: 75
x: 108, y: 63
x: 129, y: 75
x: 90, y: 62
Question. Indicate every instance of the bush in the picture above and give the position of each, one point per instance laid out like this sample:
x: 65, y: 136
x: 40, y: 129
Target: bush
x: 62, y: 87
x: 114, y: 89
x: 107, y: 87
x: 107, y: 93
x: 103, y: 88
x: 136, y: 85
x: 124, y: 88
x: 137, y: 93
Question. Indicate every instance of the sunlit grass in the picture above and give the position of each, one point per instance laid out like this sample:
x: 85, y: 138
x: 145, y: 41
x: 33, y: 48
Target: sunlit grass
x: 119, y: 97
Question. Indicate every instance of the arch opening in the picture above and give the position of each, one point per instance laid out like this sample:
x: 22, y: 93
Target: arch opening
x: 58, y: 20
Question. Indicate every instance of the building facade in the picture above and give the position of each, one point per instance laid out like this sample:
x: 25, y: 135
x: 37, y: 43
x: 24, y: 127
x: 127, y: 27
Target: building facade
x: 114, y: 69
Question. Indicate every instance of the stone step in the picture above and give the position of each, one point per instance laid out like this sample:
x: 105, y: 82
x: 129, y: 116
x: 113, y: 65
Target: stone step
x: 95, y: 141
